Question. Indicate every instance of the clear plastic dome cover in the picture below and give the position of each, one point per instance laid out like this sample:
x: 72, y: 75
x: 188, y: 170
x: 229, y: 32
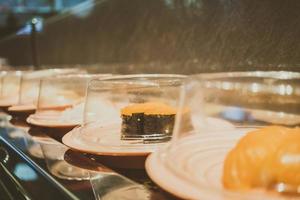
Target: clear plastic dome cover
x: 228, y: 128
x: 30, y: 84
x: 245, y: 99
x: 61, y: 100
x: 2, y: 74
x: 128, y: 114
x: 10, y: 88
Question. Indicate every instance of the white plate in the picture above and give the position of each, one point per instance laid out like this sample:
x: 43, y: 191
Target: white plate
x: 69, y: 116
x: 52, y: 121
x: 22, y: 108
x: 106, y: 140
x: 64, y: 170
x: 192, y: 169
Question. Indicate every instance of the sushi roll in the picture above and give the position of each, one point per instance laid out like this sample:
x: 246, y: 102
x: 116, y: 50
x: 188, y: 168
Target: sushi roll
x: 148, y: 121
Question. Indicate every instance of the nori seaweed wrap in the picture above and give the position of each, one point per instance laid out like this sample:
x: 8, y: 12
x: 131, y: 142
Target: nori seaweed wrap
x: 148, y: 121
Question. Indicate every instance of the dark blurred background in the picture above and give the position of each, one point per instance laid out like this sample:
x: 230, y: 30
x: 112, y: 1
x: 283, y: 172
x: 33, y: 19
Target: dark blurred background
x: 14, y: 14
x: 163, y: 36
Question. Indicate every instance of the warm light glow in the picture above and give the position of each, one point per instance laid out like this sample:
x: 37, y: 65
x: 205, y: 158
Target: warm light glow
x: 285, y: 89
x: 289, y: 89
x: 290, y: 159
x: 226, y: 85
x: 255, y: 87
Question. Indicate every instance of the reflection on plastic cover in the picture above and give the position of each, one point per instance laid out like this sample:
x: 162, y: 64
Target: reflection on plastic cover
x: 24, y: 172
x: 113, y: 186
x: 27, y: 29
x: 84, y: 9
x: 234, y: 114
